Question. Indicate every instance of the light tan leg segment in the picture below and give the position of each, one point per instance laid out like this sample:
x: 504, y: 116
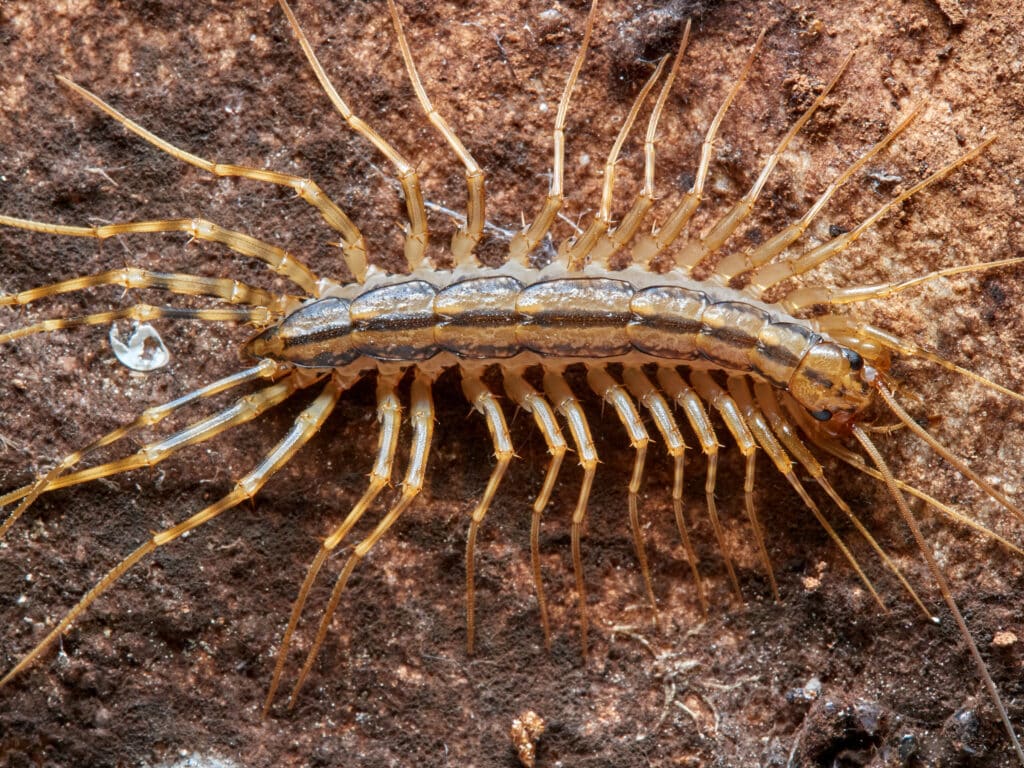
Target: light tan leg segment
x: 759, y: 426
x: 531, y: 401
x: 693, y: 407
x: 524, y: 242
x: 306, y: 425
x: 644, y: 390
x: 421, y: 414
x: 565, y: 402
x: 651, y: 245
x: 613, y: 393
x: 148, y: 418
x: 353, y: 245
x: 486, y: 403
x: 280, y: 261
x: 766, y: 398
x: 389, y: 416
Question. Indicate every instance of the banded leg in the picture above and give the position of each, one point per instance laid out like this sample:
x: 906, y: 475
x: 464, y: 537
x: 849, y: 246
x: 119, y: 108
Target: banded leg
x: 421, y: 414
x: 416, y: 235
x: 243, y: 410
x: 525, y: 241
x: 766, y: 399
x: 759, y: 426
x: 280, y: 261
x: 611, y: 242
x: 613, y: 393
x: 565, y: 403
x: 143, y: 313
x: 745, y: 260
x: 699, y: 422
x: 465, y: 240
x: 486, y: 403
x: 305, y: 426
x: 574, y: 251
x: 353, y: 245
x: 531, y: 401
x: 644, y: 390
x: 697, y: 249
x: 770, y: 274
x: 389, y: 416
x: 801, y: 298
x: 148, y: 418
x: 744, y: 432
x: 231, y: 291
x: 708, y: 391
x: 651, y: 245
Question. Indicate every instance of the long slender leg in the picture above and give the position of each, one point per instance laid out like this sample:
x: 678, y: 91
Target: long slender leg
x: 770, y: 274
x: 651, y: 245
x: 574, y: 250
x: 759, y: 426
x: 486, y: 403
x: 708, y: 391
x: 766, y: 399
x: 745, y: 260
x: 143, y: 313
x: 531, y: 401
x: 148, y: 418
x: 389, y: 416
x: 941, y: 583
x: 697, y: 249
x: 353, y: 245
x: 305, y: 426
x: 613, y: 393
x: 232, y: 291
x: 610, y: 242
x: 800, y: 298
x: 416, y: 235
x: 644, y: 390
x: 465, y: 240
x: 565, y: 402
x: 699, y: 422
x: 524, y: 242
x: 280, y: 261
x: 421, y: 414
x: 243, y: 410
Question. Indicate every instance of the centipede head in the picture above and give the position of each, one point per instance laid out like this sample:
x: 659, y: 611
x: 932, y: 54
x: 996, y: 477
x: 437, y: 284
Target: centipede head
x: 829, y: 383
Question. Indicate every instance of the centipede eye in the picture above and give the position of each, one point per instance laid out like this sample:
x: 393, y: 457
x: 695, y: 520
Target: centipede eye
x: 823, y: 415
x: 856, y: 361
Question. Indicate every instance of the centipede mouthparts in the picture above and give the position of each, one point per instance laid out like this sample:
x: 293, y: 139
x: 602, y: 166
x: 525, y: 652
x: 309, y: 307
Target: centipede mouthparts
x: 677, y: 420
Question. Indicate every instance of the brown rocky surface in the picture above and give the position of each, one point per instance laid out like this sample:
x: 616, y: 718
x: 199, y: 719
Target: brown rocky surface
x: 175, y: 660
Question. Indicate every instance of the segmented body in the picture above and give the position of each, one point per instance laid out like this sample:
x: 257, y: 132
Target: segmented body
x: 553, y: 345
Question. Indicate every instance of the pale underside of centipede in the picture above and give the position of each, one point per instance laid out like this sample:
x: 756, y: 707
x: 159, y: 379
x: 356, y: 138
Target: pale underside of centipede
x: 664, y: 350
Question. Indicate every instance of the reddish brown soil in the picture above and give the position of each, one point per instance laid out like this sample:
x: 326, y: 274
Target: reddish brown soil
x: 176, y: 659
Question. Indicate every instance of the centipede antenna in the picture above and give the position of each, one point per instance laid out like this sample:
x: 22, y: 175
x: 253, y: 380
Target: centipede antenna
x: 874, y: 379
x: 940, y: 580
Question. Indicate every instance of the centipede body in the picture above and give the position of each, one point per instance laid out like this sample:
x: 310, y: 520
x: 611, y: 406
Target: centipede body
x: 432, y: 539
